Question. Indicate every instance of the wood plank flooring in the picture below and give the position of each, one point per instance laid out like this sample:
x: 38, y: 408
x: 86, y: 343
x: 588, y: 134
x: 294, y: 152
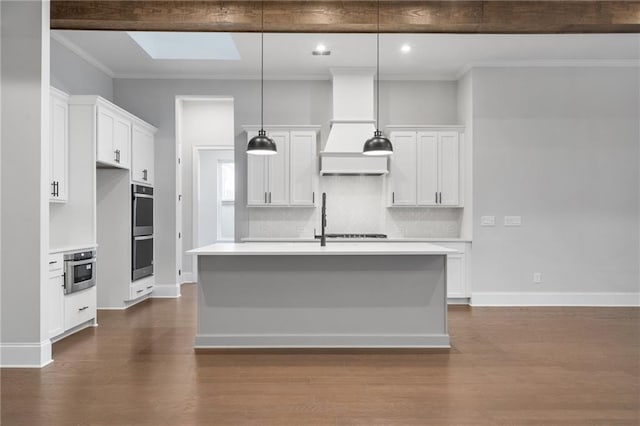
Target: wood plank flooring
x: 508, y: 366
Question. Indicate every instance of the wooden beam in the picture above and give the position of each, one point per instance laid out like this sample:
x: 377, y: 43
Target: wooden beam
x: 357, y: 16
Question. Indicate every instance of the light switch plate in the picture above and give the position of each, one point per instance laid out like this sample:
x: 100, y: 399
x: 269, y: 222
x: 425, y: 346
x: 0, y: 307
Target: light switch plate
x: 487, y: 220
x: 512, y: 220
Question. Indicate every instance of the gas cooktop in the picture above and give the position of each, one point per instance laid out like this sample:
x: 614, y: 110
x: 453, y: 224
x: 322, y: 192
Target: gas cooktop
x: 361, y: 236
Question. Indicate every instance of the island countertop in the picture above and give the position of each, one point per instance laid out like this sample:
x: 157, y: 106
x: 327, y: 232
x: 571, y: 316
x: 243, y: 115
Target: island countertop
x: 293, y: 249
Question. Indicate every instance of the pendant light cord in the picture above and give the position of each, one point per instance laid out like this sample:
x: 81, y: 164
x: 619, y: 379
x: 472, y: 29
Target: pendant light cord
x: 262, y: 65
x: 378, y: 71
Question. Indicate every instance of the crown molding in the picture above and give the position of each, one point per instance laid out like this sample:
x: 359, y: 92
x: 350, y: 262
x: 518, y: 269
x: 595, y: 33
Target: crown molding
x: 82, y: 53
x: 549, y: 63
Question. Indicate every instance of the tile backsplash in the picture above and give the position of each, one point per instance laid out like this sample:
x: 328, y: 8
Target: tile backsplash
x: 355, y: 204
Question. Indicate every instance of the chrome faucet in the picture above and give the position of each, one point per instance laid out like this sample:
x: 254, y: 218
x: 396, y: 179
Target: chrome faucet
x: 323, y: 235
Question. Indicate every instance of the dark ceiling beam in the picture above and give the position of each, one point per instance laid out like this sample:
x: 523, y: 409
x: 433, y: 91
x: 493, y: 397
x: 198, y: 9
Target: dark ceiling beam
x: 357, y: 16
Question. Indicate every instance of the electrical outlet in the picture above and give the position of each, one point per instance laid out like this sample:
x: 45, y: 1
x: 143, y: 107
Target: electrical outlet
x: 537, y: 277
x: 487, y: 220
x: 512, y: 220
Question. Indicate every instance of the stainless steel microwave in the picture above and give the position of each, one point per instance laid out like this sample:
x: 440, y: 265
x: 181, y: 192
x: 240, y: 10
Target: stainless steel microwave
x: 79, y: 271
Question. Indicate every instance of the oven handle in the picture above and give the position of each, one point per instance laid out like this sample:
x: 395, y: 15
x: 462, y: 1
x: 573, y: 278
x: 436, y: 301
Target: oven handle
x: 142, y: 196
x: 80, y: 262
x: 144, y: 237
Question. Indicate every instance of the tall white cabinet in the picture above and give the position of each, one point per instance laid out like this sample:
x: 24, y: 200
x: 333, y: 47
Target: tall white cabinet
x: 426, y: 166
x: 58, y: 146
x: 288, y: 178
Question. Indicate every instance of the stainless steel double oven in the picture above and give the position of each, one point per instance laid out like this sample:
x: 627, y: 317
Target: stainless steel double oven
x: 142, y: 231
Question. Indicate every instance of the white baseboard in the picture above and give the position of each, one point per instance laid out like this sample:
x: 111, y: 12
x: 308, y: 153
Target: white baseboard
x: 187, y: 277
x: 554, y: 299
x: 251, y: 341
x: 25, y: 355
x: 166, y: 291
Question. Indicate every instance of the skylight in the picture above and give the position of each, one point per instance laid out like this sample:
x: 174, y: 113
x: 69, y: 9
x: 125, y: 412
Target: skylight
x: 176, y: 45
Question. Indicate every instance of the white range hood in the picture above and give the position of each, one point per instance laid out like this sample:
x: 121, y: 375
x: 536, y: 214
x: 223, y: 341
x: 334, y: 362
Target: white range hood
x: 351, y: 126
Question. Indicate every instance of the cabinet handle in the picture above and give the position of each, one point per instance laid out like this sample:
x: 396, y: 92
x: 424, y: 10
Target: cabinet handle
x: 393, y: 197
x: 313, y: 198
x: 52, y: 262
x: 265, y: 197
x: 83, y: 308
x: 269, y: 197
x: 117, y: 152
x: 57, y: 188
x: 140, y: 291
x: 53, y: 188
x: 144, y: 174
x: 149, y: 286
x: 436, y: 197
x: 441, y: 198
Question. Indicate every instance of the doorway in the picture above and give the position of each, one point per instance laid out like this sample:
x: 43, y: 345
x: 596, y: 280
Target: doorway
x: 213, y: 197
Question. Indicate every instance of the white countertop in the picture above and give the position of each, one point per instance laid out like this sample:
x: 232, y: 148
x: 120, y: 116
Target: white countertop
x: 300, y: 248
x: 67, y: 249
x: 351, y: 240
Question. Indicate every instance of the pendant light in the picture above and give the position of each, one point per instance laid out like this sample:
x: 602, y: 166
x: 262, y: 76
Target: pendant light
x: 262, y: 144
x: 378, y: 145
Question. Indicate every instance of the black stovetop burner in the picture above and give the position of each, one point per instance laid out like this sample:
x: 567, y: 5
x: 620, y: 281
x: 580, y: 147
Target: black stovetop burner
x: 361, y: 236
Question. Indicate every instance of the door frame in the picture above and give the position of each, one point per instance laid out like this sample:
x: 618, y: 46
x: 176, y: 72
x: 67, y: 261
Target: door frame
x: 195, y: 189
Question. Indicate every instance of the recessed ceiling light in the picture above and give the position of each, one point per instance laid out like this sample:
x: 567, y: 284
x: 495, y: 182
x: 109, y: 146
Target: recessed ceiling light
x: 405, y: 48
x: 321, y: 50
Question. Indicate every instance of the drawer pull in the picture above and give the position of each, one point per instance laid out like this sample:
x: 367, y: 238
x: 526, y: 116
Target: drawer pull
x: 149, y: 286
x: 140, y: 291
x: 52, y: 262
x: 83, y: 308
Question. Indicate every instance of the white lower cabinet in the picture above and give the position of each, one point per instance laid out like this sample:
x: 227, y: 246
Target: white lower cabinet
x: 140, y: 288
x: 79, y: 307
x: 458, y: 277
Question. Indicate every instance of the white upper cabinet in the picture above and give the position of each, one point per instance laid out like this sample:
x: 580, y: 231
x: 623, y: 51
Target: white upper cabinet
x: 303, y: 171
x: 278, y: 191
x: 59, y: 146
x: 425, y: 167
x: 428, y: 170
x: 449, y: 168
x: 142, y: 155
x: 113, y: 138
x: 288, y: 178
x: 403, y: 169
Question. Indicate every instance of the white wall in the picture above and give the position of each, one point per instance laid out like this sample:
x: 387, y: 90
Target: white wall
x: 75, y: 76
x: 25, y: 175
x: 558, y: 146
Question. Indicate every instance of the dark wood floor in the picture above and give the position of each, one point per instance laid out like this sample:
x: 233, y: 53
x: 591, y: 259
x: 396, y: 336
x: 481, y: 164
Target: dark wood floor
x: 510, y: 366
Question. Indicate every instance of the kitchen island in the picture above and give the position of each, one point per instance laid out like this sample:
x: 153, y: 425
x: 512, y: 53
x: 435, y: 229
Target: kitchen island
x: 301, y: 295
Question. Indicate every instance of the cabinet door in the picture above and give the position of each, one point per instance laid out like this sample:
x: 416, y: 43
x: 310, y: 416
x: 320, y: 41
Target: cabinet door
x: 456, y: 276
x: 449, y: 168
x: 403, y: 169
x: 302, y: 173
x: 142, y: 156
x: 278, y: 189
x: 427, y: 168
x: 122, y: 142
x: 59, y: 151
x: 55, y: 305
x: 104, y: 138
x: 256, y: 177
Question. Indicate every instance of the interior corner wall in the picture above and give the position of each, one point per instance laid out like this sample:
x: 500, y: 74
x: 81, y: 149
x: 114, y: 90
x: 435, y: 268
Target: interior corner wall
x: 75, y: 76
x: 559, y: 147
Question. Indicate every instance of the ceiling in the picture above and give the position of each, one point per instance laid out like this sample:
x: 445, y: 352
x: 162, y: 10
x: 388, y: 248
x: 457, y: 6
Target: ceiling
x: 288, y: 56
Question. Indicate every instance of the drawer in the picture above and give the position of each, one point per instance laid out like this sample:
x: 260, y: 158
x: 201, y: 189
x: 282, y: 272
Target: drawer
x: 139, y: 289
x: 79, y: 307
x: 56, y: 265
